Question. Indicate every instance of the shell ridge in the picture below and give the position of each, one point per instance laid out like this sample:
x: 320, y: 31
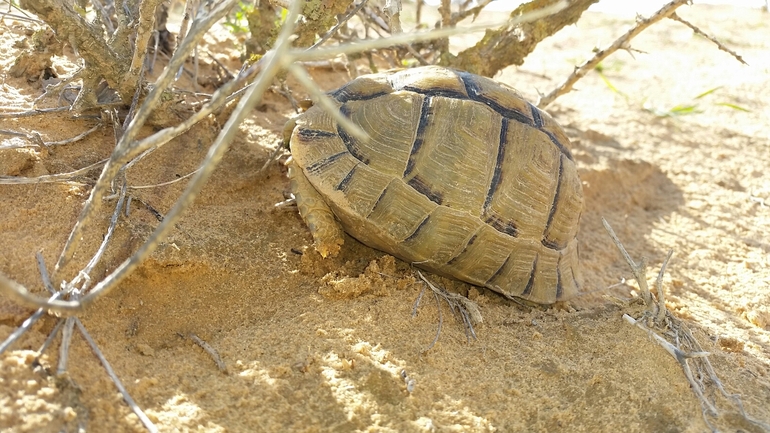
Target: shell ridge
x: 498, y: 271
x: 559, y: 287
x: 465, y: 248
x: 539, y: 124
x: 475, y: 94
x: 574, y: 279
x: 343, y: 95
x: 547, y: 242
x: 497, y: 174
x: 531, y: 282
x: 343, y: 185
x: 348, y: 140
x: 312, y: 134
x: 379, y: 199
x: 506, y: 227
x: 446, y: 93
x: 421, y: 187
x: 425, y: 112
x: 319, y: 166
x: 536, y: 116
x: 419, y: 227
x: 566, y: 152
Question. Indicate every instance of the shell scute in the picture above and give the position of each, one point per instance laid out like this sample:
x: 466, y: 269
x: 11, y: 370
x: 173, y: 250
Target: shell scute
x: 400, y: 210
x: 482, y: 258
x: 440, y: 82
x: 502, y: 99
x: 443, y: 236
x: 457, y: 155
x: 387, y: 149
x: 523, y: 194
x: 363, y: 88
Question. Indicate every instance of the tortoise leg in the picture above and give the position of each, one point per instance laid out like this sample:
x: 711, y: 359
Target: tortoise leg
x: 326, y: 230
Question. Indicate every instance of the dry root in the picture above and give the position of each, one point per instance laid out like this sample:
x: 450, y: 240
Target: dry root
x: 460, y: 305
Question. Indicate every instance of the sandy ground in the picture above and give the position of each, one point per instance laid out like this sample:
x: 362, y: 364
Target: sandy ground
x: 320, y: 345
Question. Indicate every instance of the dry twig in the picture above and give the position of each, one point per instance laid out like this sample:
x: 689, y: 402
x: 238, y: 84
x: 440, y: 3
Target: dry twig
x: 49, y: 178
x: 621, y: 42
x: 211, y: 351
x: 698, y: 31
x: 467, y: 310
x: 67, y: 328
x: 685, y: 348
x: 339, y: 24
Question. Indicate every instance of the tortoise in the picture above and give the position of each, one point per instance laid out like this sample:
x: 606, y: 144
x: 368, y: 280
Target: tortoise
x: 460, y: 176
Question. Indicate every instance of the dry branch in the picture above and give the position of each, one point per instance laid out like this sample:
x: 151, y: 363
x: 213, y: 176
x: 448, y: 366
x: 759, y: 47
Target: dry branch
x: 126, y: 149
x: 211, y: 351
x: 50, y: 178
x: 698, y: 31
x: 621, y: 42
x: 320, y: 16
x: 339, y: 24
x: 118, y: 59
x: 510, y: 44
x: 272, y: 63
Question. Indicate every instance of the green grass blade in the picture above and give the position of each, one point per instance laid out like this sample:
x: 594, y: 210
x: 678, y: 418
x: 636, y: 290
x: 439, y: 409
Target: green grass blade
x: 733, y: 106
x: 708, y: 92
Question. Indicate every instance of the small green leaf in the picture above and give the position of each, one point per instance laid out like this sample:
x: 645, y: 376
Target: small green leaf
x: 733, y: 106
x: 612, y: 86
x: 708, y: 92
x: 681, y: 110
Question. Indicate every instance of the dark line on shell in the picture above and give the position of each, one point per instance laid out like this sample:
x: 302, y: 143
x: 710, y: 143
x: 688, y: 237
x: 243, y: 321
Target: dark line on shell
x: 342, y: 186
x: 574, y: 279
x: 425, y: 113
x: 474, y: 93
x: 470, y: 242
x: 531, y: 282
x: 343, y: 95
x: 498, y: 271
x: 505, y: 227
x: 551, y: 245
x: 497, y: 174
x: 417, y: 230
x: 319, y: 166
x: 558, y: 144
x: 420, y: 186
x: 348, y: 140
x: 446, y: 93
x: 536, y: 116
x: 312, y: 134
x: 559, y: 288
x: 556, y: 194
x: 379, y: 199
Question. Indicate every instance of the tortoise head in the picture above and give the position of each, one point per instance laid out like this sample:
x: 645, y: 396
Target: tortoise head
x: 304, y: 105
x: 287, y: 130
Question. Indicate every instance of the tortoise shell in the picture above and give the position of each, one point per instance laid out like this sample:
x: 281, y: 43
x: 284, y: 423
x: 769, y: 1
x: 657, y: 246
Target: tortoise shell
x: 460, y: 176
